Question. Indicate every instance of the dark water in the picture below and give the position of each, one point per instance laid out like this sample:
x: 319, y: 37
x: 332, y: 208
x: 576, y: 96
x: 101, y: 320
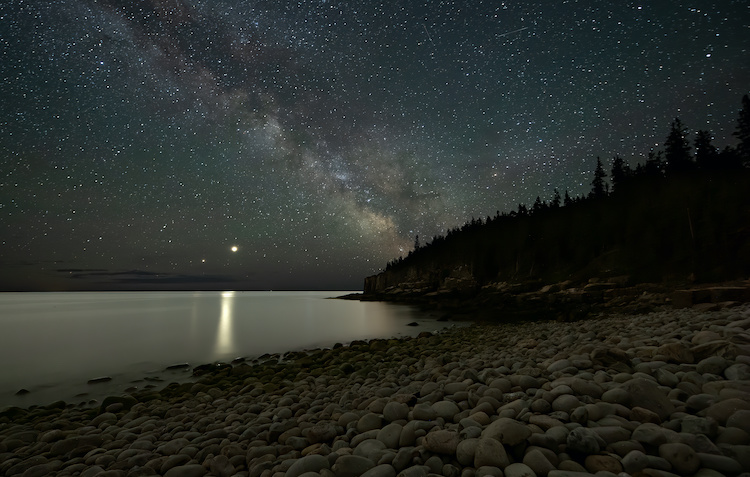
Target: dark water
x: 52, y: 343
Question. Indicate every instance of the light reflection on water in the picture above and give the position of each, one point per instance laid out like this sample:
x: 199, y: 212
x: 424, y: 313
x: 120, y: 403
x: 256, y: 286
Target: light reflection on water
x: 52, y: 343
x: 224, y: 335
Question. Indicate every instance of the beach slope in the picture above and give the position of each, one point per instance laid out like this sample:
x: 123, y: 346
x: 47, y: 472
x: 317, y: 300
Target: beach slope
x: 659, y: 394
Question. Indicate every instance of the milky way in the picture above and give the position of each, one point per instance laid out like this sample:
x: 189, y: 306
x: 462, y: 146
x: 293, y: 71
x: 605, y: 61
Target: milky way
x: 142, y: 140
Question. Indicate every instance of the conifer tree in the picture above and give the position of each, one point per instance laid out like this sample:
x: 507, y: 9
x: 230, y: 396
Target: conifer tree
x: 538, y: 205
x: 620, y: 173
x: 677, y: 148
x: 556, y: 199
x: 597, y: 185
x: 743, y: 132
x: 705, y: 153
x: 654, y: 166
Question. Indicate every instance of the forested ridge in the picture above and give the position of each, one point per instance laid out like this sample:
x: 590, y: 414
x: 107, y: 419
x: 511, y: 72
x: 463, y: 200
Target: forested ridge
x: 683, y: 214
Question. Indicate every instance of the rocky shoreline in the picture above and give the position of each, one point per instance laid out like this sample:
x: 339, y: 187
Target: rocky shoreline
x: 459, y: 295
x: 658, y: 394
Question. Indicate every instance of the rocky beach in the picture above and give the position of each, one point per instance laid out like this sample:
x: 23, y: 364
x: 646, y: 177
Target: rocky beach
x: 658, y: 394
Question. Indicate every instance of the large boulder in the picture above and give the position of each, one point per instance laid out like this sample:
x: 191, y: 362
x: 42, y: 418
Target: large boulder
x: 507, y: 430
x: 352, y: 466
x: 583, y: 440
x: 490, y: 452
x: 646, y: 394
x: 310, y: 463
x: 681, y: 456
x: 441, y: 442
x: 675, y: 353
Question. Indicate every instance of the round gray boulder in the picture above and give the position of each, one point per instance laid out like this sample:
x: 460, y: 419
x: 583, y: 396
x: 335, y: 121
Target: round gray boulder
x: 309, y: 463
x: 584, y: 441
x: 682, y: 457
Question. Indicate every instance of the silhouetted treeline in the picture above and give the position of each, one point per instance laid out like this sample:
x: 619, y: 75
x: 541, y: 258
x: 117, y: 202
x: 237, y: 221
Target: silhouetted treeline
x: 685, y: 211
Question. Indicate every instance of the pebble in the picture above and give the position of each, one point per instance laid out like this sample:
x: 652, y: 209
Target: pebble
x: 424, y: 412
x: 537, y: 461
x: 681, y: 457
x: 368, y: 422
x: 712, y: 365
x: 602, y: 463
x: 658, y: 395
x: 442, y: 442
x: 395, y: 411
x: 650, y: 434
x: 190, y: 470
x: 569, y: 473
x: 310, y: 463
x: 371, y: 449
x: 518, y: 470
x: 646, y: 394
x: 382, y: 470
x: 490, y: 452
x: 740, y: 419
x: 634, y: 461
x: 507, y: 430
x: 390, y: 435
x: 584, y: 441
x: 445, y: 410
x: 352, y: 465
x: 722, y: 410
x: 321, y: 432
x: 488, y: 471
x: 466, y: 450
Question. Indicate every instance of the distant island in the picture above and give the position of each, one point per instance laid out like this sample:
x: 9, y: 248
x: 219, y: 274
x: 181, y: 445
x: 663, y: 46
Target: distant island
x: 679, y: 219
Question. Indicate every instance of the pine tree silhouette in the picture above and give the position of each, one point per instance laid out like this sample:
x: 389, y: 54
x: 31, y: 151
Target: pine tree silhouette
x: 743, y: 132
x: 556, y: 199
x: 677, y: 148
x: 654, y: 166
x: 705, y: 153
x: 597, y: 185
x: 538, y: 205
x: 620, y: 173
x: 640, y: 230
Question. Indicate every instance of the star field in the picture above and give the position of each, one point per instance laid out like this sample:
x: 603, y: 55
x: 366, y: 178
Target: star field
x: 141, y: 141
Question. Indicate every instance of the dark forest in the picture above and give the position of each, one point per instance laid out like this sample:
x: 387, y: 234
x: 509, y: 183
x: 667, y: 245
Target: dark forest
x: 684, y: 214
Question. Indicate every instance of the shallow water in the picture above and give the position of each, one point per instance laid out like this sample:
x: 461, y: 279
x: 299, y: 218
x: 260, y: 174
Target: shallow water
x: 53, y: 343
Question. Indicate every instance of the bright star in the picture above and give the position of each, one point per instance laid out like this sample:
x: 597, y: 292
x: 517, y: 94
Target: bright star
x: 234, y: 248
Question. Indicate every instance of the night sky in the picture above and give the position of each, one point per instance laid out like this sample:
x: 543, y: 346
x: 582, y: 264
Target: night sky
x: 140, y: 141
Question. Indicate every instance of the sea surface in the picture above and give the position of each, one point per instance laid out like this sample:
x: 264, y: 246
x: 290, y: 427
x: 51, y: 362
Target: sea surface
x: 52, y: 344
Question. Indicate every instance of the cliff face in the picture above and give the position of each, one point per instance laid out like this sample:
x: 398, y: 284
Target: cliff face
x: 459, y: 292
x: 379, y: 283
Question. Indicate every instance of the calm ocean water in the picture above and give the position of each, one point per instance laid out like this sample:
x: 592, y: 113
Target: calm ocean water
x: 53, y: 343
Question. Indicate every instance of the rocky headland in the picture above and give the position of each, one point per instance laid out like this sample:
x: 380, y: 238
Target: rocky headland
x: 658, y: 394
x: 459, y: 294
